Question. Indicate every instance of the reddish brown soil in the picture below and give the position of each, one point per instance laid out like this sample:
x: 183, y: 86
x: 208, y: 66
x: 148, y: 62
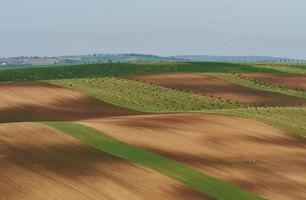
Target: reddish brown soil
x: 38, y: 162
x: 207, y: 85
x: 250, y: 154
x: 284, y: 80
x: 33, y: 101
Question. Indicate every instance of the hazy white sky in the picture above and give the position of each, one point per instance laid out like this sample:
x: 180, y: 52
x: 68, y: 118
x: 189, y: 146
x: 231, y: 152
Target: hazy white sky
x: 163, y: 27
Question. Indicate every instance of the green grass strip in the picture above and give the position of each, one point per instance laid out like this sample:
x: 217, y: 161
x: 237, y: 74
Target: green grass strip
x: 188, y: 176
x: 259, y: 85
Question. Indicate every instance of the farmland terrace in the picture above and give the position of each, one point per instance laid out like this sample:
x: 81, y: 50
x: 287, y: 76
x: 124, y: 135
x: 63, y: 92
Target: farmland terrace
x: 153, y: 131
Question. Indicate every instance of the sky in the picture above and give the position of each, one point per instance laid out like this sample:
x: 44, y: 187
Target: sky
x: 161, y: 27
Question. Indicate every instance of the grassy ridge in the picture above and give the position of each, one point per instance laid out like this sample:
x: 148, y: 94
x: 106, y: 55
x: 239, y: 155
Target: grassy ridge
x: 102, y: 70
x: 189, y: 176
x: 145, y: 97
x: 293, y: 120
x: 256, y: 84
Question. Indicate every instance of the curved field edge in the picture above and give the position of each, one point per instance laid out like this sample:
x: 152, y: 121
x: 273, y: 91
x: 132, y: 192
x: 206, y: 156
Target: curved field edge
x: 119, y: 69
x: 144, y: 97
x: 188, y: 176
x: 290, y: 119
x: 259, y: 85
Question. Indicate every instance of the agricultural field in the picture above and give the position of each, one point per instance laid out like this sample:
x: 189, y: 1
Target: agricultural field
x: 203, y: 130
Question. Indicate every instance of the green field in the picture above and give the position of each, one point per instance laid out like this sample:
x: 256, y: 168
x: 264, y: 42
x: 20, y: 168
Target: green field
x: 102, y: 70
x: 189, y: 176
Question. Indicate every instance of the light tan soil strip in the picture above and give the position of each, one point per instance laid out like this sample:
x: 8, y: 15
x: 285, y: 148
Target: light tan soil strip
x: 38, y: 162
x: 31, y: 101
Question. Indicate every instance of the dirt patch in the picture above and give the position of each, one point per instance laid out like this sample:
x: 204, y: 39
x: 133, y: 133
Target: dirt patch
x: 207, y: 85
x: 297, y: 82
x: 31, y: 101
x: 38, y: 162
x: 247, y: 153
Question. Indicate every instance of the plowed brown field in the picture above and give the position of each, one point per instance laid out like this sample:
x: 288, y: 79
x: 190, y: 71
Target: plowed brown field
x: 31, y: 101
x: 283, y: 80
x: 245, y: 152
x: 205, y: 84
x: 38, y: 162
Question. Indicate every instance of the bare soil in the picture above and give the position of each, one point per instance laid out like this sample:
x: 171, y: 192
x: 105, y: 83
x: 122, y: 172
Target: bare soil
x: 211, y: 86
x: 247, y: 153
x: 32, y: 101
